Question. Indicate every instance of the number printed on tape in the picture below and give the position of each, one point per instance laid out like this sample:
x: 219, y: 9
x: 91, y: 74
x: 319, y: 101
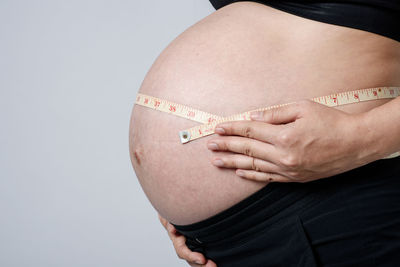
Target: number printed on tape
x: 209, y: 120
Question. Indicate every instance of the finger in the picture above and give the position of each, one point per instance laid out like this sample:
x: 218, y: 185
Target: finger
x: 210, y: 263
x: 183, y: 252
x: 283, y: 114
x: 262, y: 176
x: 240, y: 161
x: 172, y: 232
x: 171, y: 228
x: 163, y: 221
x: 246, y: 146
x: 196, y: 265
x: 252, y: 129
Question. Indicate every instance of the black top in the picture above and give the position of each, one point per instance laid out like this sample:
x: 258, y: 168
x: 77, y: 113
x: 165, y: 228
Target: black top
x: 378, y: 16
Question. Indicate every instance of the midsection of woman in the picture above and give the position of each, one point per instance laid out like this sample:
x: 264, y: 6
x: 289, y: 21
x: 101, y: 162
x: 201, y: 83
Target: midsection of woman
x: 243, y: 56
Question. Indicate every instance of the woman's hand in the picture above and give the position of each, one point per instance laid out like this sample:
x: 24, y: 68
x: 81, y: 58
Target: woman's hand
x: 299, y: 142
x: 194, y: 259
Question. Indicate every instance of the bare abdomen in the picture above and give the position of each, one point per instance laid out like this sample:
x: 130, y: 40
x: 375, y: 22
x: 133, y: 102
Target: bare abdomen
x: 242, y: 57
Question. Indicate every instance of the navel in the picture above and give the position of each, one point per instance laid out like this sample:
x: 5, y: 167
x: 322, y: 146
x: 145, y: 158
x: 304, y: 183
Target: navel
x: 136, y: 154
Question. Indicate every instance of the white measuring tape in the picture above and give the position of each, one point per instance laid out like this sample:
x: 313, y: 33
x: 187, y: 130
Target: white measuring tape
x: 209, y: 121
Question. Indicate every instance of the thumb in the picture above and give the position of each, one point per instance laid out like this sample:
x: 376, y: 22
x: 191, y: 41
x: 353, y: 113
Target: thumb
x: 277, y: 115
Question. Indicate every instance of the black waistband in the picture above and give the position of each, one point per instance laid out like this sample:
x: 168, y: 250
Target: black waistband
x: 276, y: 199
x: 261, y: 206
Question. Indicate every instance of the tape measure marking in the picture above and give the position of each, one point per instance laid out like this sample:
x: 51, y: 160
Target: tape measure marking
x: 209, y: 121
x: 176, y: 109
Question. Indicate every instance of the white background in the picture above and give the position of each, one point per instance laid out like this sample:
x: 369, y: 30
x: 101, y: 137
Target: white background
x: 69, y: 74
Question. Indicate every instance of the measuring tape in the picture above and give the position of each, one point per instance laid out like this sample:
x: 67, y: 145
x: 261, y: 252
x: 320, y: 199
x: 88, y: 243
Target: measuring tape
x: 209, y: 121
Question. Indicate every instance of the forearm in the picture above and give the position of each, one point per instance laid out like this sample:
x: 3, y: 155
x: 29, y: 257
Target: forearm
x: 381, y: 130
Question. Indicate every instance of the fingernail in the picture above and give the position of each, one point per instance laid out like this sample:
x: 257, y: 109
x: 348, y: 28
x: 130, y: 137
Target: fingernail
x: 212, y: 146
x: 240, y: 173
x: 256, y: 115
x: 198, y: 262
x: 219, y: 130
x: 218, y: 162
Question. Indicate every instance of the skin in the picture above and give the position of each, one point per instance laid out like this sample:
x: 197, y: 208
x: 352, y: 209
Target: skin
x: 234, y: 60
x: 316, y: 59
x: 297, y: 143
x: 194, y: 259
x: 271, y: 147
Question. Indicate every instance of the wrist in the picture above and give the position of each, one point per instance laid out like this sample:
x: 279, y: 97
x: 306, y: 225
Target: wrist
x: 369, y: 136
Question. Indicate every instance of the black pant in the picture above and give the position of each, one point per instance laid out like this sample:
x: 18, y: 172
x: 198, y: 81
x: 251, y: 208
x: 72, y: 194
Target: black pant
x: 350, y: 219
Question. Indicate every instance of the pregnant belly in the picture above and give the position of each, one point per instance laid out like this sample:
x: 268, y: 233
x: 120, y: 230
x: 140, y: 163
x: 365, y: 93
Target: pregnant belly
x: 241, y: 57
